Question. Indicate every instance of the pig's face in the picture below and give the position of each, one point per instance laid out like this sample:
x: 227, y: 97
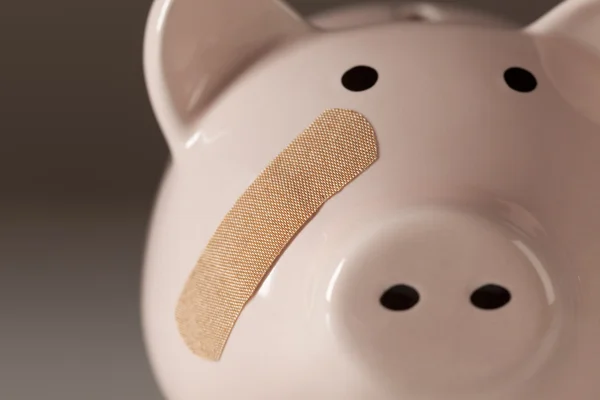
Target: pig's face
x: 461, y: 265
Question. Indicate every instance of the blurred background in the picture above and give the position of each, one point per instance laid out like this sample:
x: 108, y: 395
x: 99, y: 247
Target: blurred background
x: 81, y: 158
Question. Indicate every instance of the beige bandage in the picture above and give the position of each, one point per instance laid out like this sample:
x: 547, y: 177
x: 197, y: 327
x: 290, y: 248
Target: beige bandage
x: 335, y: 149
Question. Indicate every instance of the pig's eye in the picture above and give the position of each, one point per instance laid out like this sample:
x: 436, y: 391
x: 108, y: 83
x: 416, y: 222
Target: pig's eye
x: 359, y: 79
x: 520, y: 80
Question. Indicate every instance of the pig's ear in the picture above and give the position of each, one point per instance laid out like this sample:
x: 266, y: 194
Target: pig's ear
x: 578, y: 20
x: 193, y: 48
x: 568, y: 41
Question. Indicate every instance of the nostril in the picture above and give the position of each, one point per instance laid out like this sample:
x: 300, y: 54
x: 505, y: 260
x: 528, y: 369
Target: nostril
x: 490, y: 297
x: 400, y: 298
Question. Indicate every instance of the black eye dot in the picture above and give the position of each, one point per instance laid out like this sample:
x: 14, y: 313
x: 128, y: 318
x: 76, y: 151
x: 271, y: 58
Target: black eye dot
x: 490, y: 297
x: 359, y: 79
x: 520, y: 80
x: 400, y: 298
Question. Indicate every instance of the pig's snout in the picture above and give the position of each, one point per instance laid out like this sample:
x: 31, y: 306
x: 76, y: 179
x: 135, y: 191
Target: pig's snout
x: 446, y: 302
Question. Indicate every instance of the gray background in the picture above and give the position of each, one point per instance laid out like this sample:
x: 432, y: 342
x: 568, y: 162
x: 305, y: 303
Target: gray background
x: 80, y: 160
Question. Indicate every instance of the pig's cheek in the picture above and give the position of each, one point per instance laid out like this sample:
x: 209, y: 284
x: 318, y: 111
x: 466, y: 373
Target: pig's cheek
x: 440, y: 300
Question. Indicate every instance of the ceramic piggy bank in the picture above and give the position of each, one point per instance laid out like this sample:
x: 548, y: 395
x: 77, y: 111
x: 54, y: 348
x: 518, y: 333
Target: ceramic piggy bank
x: 385, y: 203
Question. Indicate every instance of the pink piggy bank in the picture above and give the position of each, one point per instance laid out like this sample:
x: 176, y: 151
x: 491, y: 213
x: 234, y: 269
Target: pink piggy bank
x: 456, y: 251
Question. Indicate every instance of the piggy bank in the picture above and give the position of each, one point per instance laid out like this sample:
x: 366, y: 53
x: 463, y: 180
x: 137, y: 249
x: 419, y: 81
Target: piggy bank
x: 377, y: 203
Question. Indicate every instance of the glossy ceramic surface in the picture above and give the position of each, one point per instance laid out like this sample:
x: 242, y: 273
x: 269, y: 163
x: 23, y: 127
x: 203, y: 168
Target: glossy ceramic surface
x: 477, y: 184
